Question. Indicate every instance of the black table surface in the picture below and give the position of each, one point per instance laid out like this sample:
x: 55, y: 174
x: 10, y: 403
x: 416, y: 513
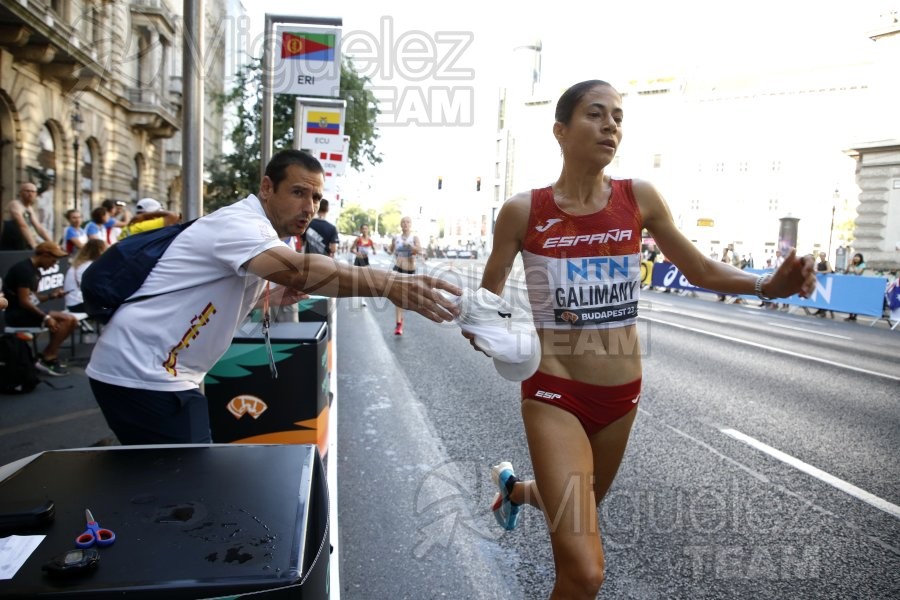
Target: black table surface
x: 206, y: 519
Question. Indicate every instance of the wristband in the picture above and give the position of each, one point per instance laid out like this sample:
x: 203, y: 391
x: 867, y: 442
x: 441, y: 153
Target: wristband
x: 757, y: 287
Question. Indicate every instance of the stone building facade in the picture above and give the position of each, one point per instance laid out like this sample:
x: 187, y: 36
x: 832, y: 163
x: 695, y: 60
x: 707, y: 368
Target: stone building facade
x: 878, y: 165
x: 98, y: 80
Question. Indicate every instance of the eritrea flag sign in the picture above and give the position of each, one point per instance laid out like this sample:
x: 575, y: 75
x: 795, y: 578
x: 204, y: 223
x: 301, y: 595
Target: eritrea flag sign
x: 307, y: 46
x: 307, y: 61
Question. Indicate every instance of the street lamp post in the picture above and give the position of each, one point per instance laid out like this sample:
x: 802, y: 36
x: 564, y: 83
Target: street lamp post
x: 77, y: 122
x: 537, y: 47
x: 837, y: 195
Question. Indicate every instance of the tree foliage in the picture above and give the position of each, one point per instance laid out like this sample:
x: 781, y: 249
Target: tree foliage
x: 233, y: 176
x: 387, y: 220
x: 353, y: 217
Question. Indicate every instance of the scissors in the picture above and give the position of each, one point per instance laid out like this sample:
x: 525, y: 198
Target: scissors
x: 94, y: 534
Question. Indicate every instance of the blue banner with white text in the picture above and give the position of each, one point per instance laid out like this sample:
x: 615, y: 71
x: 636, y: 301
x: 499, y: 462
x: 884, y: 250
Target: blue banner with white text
x: 840, y: 293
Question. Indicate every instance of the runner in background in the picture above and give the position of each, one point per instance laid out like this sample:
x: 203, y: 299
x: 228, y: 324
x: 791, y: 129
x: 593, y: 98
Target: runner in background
x: 404, y: 247
x: 362, y: 247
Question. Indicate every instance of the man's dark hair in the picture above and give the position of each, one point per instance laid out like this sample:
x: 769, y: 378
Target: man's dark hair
x: 110, y: 205
x: 323, y: 206
x: 99, y: 215
x: 285, y: 158
x: 572, y: 96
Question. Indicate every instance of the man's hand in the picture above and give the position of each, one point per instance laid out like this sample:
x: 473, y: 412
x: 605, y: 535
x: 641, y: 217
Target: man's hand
x: 422, y: 293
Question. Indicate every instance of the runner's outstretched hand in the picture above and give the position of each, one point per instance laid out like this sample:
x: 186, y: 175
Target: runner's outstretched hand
x: 795, y: 275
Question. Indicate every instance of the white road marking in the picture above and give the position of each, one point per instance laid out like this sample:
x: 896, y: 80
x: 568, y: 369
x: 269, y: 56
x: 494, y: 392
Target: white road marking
x: 848, y: 488
x: 331, y: 475
x: 755, y: 474
x: 781, y: 488
x: 697, y: 317
x: 813, y: 331
x: 652, y: 303
x: 774, y: 349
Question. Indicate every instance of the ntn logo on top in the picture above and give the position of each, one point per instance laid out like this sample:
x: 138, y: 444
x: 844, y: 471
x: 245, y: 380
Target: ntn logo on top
x: 602, y: 267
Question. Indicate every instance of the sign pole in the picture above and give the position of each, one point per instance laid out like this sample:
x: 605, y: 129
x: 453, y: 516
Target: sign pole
x: 192, y: 111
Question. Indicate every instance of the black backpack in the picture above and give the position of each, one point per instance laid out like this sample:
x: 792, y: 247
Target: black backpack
x: 122, y: 268
x: 18, y: 375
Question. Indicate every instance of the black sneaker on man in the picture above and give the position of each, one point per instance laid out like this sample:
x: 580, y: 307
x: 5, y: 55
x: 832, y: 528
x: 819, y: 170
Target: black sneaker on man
x: 40, y: 357
x: 50, y: 367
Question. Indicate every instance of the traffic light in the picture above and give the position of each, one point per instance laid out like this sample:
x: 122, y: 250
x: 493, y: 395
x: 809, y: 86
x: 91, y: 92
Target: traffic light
x: 478, y: 184
x: 440, y: 182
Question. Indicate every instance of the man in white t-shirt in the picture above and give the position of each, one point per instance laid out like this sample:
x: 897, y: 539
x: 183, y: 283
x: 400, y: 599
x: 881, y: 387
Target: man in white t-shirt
x: 147, y: 366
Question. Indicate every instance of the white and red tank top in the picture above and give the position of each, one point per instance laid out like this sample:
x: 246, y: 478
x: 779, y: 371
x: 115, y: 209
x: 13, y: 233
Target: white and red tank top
x: 584, y: 271
x: 365, y: 246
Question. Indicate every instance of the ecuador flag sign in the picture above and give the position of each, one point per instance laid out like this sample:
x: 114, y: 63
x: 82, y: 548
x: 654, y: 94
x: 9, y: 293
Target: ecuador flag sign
x: 323, y: 122
x: 307, y: 46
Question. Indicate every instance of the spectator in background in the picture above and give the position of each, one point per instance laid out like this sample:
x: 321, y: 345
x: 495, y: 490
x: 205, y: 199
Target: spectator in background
x: 856, y: 267
x: 96, y: 228
x: 735, y: 259
x: 727, y: 260
x: 823, y: 267
x: 321, y: 236
x: 90, y: 252
x: 779, y: 259
x: 148, y: 215
x: 116, y: 220
x: 20, y: 286
x: 75, y: 236
x: 22, y: 230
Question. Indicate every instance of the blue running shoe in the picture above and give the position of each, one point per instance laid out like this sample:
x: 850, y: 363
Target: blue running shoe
x: 505, y: 510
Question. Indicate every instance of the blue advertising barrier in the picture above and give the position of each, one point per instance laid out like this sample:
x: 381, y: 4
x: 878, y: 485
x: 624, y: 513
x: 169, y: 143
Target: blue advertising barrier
x: 839, y: 293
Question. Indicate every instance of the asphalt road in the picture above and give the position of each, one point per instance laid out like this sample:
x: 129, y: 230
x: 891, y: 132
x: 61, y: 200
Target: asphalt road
x: 60, y: 413
x: 699, y: 509
x: 763, y: 463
